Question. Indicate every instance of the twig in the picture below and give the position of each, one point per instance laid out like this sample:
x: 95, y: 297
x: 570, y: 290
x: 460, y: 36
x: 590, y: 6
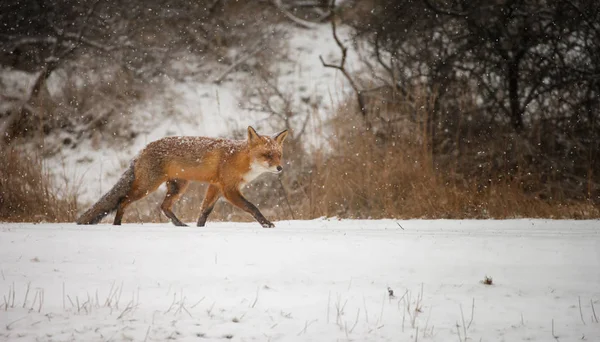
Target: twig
x: 366, y: 312
x: 580, y: 312
x: 12, y: 305
x: 306, y: 325
x: 287, y: 200
x: 346, y: 330
x: 181, y: 303
x: 182, y: 307
x: 147, y: 333
x: 108, y: 298
x: 444, y: 11
x: 172, y: 304
x: 339, y: 311
x: 208, y: 312
x: 403, y: 318
x: 328, y: 304
x: 198, y: 302
x: 356, y: 321
x: 409, y: 310
x: 400, y: 225
x: 594, y: 310
x: 427, y: 321
x: 119, y: 298
x: 13, y: 322
x: 303, y: 330
x: 186, y: 310
x: 342, y: 66
x: 472, y: 311
x: 300, y: 22
x: 41, y: 300
x: 37, y: 294
x: 417, y: 334
x: 458, y: 332
x: 553, y: 334
x: 255, y: 298
x: 420, y: 299
x: 255, y: 49
x: 127, y: 309
x: 462, y: 316
x: 381, y: 313
x: 401, y: 298
x: 86, y: 304
x: 26, y: 294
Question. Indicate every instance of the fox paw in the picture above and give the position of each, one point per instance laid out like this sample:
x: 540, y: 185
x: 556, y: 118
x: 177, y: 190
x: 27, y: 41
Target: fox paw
x: 268, y: 225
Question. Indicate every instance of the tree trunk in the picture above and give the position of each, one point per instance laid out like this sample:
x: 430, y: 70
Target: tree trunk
x: 516, y: 114
x: 40, y: 82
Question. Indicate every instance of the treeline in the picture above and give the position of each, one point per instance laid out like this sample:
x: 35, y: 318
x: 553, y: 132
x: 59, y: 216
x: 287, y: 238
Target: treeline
x: 513, y: 86
x: 108, y: 54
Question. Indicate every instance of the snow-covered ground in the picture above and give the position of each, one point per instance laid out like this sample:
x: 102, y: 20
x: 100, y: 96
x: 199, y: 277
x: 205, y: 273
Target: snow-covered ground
x: 321, y: 280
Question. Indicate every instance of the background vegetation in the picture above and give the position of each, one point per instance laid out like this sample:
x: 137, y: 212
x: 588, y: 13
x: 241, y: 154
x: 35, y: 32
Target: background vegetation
x: 460, y: 109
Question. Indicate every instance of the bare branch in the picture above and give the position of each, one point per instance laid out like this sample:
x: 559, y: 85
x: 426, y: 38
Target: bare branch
x: 342, y: 66
x: 298, y: 21
x: 98, y: 45
x: 445, y: 11
x: 255, y: 49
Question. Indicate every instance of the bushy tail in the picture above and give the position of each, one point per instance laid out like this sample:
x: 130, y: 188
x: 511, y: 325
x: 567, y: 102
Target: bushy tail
x: 110, y: 201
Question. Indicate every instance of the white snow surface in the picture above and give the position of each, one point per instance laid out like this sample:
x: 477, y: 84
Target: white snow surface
x: 320, y: 280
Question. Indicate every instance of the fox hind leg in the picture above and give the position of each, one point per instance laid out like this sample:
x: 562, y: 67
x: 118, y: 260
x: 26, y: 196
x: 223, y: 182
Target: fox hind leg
x: 138, y: 191
x: 208, y: 203
x: 175, y: 188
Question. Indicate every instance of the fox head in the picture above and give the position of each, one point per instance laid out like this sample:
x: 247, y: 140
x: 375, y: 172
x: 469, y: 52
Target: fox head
x: 266, y: 152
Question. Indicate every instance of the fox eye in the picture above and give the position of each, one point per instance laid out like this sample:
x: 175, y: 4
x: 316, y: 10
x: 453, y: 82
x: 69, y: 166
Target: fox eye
x: 268, y: 155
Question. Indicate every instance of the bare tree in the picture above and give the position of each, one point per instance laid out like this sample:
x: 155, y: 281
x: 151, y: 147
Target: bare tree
x: 140, y: 37
x: 527, y: 69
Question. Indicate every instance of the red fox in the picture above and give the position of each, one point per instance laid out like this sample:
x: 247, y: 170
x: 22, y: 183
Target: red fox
x: 227, y: 165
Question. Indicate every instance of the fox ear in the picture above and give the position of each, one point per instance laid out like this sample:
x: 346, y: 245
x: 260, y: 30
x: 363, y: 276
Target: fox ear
x: 252, y: 135
x: 280, y: 137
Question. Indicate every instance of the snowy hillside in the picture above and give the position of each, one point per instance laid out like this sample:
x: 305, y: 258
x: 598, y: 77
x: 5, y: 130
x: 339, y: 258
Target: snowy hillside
x: 321, y: 280
x: 198, y: 106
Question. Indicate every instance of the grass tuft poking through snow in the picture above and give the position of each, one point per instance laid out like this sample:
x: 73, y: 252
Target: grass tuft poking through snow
x: 487, y: 281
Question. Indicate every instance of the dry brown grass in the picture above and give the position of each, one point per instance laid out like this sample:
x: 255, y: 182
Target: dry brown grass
x: 357, y: 174
x: 367, y: 178
x: 27, y: 192
x: 371, y: 175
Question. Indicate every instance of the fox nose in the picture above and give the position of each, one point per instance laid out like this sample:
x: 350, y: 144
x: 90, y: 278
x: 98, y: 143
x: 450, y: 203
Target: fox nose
x: 279, y: 168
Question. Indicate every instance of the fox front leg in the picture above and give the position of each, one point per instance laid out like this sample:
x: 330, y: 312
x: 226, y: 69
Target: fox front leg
x: 210, y: 199
x: 236, y: 198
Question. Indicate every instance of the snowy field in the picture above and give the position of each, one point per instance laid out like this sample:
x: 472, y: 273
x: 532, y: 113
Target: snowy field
x: 321, y: 280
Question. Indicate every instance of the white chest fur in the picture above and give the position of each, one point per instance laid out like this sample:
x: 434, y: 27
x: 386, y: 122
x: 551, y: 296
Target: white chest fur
x: 256, y: 169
